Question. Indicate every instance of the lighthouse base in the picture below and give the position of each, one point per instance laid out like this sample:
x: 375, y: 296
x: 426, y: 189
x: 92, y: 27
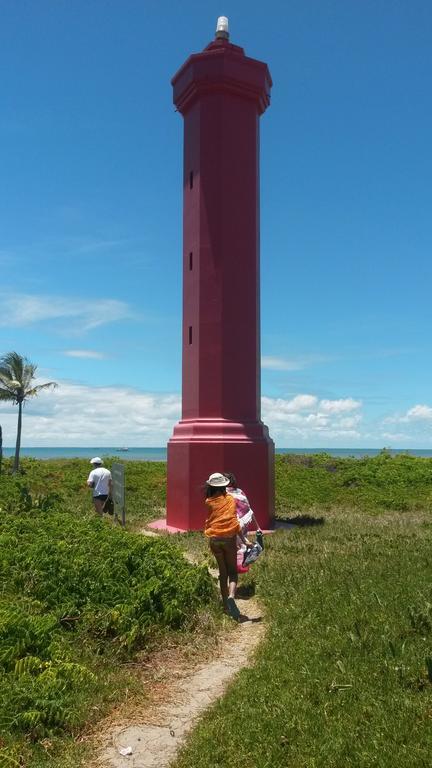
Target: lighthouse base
x: 202, y: 446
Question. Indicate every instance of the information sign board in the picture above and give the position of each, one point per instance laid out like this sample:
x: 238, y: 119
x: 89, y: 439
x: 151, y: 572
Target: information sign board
x: 118, y: 492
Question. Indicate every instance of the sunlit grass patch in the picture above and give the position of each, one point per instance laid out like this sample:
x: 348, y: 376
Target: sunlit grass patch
x: 343, y: 677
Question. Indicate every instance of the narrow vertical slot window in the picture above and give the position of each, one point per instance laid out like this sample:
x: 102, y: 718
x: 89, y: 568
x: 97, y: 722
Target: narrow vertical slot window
x: 190, y: 261
x: 190, y: 334
x: 191, y: 180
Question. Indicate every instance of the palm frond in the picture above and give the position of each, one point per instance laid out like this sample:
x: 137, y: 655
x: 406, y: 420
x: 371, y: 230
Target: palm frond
x: 17, y: 374
x: 5, y: 372
x: 9, y: 386
x: 35, y: 390
x: 6, y: 394
x: 6, y: 380
x: 15, y: 363
x: 29, y: 373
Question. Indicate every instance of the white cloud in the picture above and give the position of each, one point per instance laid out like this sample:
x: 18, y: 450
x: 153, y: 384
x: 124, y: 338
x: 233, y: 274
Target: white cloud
x: 75, y: 414
x: 422, y: 412
x: 79, y: 415
x: 280, y: 364
x: 350, y: 422
x: 339, y: 406
x: 416, y: 413
x: 417, y: 426
x: 395, y: 438
x: 85, y: 354
x: 302, y: 402
x: 297, y: 403
x: 22, y: 309
x: 306, y: 419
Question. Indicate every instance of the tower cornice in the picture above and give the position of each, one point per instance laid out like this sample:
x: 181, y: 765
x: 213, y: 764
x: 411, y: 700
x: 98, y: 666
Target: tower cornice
x: 222, y: 67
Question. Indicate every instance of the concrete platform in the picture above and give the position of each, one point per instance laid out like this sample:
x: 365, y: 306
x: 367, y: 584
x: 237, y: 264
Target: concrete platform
x: 162, y: 526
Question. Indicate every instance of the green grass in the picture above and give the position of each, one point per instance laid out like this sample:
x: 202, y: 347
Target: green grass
x: 371, y: 484
x: 304, y: 484
x: 145, y: 485
x: 344, y: 676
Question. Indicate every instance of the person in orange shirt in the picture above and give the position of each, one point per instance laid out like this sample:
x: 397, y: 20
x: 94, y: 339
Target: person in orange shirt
x: 222, y: 528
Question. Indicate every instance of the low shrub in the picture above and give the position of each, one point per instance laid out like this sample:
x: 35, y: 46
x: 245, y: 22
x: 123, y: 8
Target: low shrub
x: 371, y: 484
x: 74, y: 589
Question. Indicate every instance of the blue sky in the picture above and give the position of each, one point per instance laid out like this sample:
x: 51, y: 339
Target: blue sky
x: 90, y: 215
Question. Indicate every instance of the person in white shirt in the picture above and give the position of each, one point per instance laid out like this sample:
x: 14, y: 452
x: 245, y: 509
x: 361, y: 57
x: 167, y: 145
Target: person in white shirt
x: 100, y: 481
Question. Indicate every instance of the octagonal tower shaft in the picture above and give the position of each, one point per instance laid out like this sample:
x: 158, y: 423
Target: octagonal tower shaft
x: 221, y: 94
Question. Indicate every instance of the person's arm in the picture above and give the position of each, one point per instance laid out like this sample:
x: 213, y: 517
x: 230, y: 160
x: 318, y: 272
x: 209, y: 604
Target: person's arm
x: 258, y: 527
x: 244, y: 539
x: 90, y: 481
x: 246, y: 500
x: 253, y: 515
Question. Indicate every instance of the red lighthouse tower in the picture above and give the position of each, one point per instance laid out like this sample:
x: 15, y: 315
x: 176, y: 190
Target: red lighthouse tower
x: 221, y: 94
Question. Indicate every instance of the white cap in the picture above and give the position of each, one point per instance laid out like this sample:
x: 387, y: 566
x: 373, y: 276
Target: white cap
x: 217, y: 480
x: 96, y: 460
x: 222, y: 27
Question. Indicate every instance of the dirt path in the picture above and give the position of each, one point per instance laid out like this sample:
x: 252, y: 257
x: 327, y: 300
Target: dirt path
x: 153, y: 736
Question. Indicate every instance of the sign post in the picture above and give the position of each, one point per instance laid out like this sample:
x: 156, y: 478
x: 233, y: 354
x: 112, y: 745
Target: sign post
x: 118, y: 479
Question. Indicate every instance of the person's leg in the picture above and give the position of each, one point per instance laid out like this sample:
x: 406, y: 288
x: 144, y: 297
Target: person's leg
x: 230, y: 551
x: 99, y: 504
x: 218, y: 551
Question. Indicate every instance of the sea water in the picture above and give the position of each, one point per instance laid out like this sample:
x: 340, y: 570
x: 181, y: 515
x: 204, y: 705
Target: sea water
x: 159, y: 454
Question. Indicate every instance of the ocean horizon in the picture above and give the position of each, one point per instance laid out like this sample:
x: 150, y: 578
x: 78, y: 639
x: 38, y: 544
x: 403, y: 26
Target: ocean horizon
x: 160, y: 454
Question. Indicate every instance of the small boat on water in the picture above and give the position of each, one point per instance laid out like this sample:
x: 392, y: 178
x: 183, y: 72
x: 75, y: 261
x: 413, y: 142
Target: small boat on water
x: 122, y: 449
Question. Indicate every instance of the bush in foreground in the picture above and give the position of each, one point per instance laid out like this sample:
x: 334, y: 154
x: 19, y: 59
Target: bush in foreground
x: 75, y: 589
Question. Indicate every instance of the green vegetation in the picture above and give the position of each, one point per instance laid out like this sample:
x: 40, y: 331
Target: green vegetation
x: 78, y: 597
x: 344, y: 677
x: 304, y: 484
x: 145, y: 486
x: 17, y: 375
x: 320, y: 482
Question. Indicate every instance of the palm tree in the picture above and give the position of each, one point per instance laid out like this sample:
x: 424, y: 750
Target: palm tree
x: 16, y: 384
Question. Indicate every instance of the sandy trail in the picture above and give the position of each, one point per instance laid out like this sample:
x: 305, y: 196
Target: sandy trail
x: 155, y: 735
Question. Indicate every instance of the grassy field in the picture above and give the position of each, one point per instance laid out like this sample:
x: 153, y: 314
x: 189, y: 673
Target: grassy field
x: 145, y: 486
x: 344, y: 677
x: 305, y: 484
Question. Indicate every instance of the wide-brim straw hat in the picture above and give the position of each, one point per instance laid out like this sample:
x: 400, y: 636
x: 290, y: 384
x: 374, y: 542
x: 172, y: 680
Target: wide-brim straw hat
x: 217, y: 480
